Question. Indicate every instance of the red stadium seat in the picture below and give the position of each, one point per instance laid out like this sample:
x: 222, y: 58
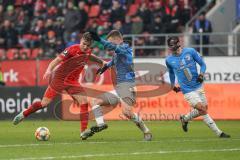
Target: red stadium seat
x: 94, y: 11
x: 2, y: 52
x: 35, y: 53
x: 26, y: 50
x: 132, y: 10
x: 10, y: 53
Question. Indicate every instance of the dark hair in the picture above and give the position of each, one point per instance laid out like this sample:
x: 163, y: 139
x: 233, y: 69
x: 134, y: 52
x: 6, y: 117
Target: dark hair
x: 87, y: 37
x: 114, y: 33
x: 173, y: 43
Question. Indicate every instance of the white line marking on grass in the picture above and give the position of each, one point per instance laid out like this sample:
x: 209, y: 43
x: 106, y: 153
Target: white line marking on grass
x: 112, y: 142
x: 127, y: 154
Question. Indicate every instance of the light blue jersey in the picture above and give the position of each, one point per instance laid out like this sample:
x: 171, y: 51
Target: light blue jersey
x: 122, y: 60
x: 185, y: 68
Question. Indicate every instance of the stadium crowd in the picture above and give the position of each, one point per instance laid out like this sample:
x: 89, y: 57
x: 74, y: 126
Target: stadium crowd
x: 39, y: 28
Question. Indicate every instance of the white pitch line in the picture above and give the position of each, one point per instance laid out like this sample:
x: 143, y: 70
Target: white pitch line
x: 112, y: 142
x: 128, y: 154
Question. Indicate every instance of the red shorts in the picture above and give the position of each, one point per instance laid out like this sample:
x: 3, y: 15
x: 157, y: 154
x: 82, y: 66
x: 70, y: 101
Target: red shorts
x: 71, y: 90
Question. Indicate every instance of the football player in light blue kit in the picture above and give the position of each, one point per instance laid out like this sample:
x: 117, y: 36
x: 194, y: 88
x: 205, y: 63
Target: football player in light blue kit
x: 124, y: 92
x: 182, y: 64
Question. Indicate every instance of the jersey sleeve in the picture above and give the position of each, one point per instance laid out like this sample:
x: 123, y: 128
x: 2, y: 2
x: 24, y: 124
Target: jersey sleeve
x: 117, y: 48
x: 196, y: 56
x: 67, y: 53
x: 110, y: 63
x: 171, y: 73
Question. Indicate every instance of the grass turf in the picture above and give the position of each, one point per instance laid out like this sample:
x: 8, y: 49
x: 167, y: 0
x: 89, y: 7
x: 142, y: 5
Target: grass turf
x: 122, y: 140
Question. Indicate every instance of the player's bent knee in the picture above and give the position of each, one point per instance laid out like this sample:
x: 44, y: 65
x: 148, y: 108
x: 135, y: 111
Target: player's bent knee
x: 96, y: 102
x: 129, y: 101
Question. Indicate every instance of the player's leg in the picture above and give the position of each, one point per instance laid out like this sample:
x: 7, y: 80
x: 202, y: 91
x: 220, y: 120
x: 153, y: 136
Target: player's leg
x: 35, y: 106
x: 80, y: 97
x: 127, y: 93
x: 192, y: 98
x: 203, y: 110
x: 106, y: 99
x: 127, y: 105
x: 81, y: 101
x: 198, y: 101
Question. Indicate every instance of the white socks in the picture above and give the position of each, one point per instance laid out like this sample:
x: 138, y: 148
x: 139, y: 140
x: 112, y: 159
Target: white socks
x: 211, y: 124
x: 140, y: 124
x: 191, y: 115
x: 97, y: 111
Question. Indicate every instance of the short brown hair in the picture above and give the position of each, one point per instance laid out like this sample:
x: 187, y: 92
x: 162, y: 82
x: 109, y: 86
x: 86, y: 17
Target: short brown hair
x: 114, y: 33
x: 87, y: 37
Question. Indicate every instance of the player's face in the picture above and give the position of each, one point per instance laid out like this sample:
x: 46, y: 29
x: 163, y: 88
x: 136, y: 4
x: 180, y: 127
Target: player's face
x: 84, y: 45
x: 115, y: 40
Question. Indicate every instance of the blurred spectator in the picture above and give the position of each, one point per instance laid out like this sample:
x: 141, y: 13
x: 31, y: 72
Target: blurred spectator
x: 23, y: 56
x: 2, y: 83
x: 202, y: 25
x: 73, y: 40
x: 137, y: 25
x: 8, y: 35
x: 93, y: 26
x: 102, y: 34
x: 185, y: 12
x: 117, y: 13
x: 83, y: 15
x: 106, y: 27
x: 104, y: 16
x: 157, y: 26
x: 1, y: 14
x: 145, y: 13
x: 16, y: 55
x: 127, y: 26
x: 105, y: 4
x: 199, y: 3
x: 40, y: 6
x: 158, y: 9
x: 49, y: 25
x: 10, y: 14
x: 52, y: 13
x: 118, y: 26
x: 72, y: 21
x: 28, y: 7
x: 50, y: 44
x: 172, y: 17
x: 22, y: 24
x: 38, y: 32
x: 33, y: 20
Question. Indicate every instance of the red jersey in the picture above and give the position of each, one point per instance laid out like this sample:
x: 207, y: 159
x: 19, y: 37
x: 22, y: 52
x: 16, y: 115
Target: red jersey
x: 68, y: 72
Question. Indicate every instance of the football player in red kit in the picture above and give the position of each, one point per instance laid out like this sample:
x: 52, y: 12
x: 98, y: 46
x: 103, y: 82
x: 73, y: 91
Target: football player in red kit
x: 63, y: 75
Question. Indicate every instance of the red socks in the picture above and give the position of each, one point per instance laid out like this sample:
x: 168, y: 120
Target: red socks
x: 84, y: 116
x: 33, y: 108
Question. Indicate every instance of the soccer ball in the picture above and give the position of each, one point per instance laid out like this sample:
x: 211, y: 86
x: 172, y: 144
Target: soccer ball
x: 42, y: 134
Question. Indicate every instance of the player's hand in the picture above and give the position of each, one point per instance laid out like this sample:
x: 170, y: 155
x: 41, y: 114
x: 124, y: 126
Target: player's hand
x: 95, y: 36
x: 103, y: 69
x: 176, y: 89
x: 46, y: 75
x: 200, y: 78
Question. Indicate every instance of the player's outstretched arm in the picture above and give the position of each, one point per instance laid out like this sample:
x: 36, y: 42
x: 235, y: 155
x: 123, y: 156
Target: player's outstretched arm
x: 51, y: 67
x: 105, y: 67
x: 172, y: 78
x: 107, y: 44
x: 202, y: 65
x: 96, y: 59
x: 200, y: 61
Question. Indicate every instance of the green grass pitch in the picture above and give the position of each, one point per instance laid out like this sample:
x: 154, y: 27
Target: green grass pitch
x: 122, y: 140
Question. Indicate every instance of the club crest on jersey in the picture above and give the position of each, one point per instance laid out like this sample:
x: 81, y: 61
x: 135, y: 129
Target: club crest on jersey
x: 187, y: 57
x: 65, y: 52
